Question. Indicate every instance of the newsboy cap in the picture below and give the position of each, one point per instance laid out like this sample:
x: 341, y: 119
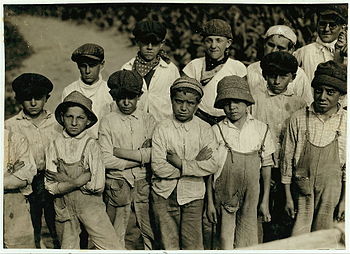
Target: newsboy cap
x: 187, y: 82
x: 217, y: 27
x: 90, y: 51
x: 149, y: 31
x: 125, y: 81
x: 279, y: 63
x: 31, y: 83
x: 76, y: 98
x: 331, y: 74
x: 282, y: 30
x: 339, y: 10
x: 232, y: 87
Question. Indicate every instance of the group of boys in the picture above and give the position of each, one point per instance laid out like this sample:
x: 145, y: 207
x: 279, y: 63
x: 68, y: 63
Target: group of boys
x: 163, y: 148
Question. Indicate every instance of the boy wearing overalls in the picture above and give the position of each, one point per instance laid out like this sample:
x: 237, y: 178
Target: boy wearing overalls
x: 125, y: 139
x: 19, y: 170
x: 315, y: 154
x: 233, y: 191
x: 75, y: 173
x: 39, y: 126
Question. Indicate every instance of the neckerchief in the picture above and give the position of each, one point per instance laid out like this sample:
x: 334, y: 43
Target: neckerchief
x: 143, y: 67
x: 330, y: 45
x: 210, y: 68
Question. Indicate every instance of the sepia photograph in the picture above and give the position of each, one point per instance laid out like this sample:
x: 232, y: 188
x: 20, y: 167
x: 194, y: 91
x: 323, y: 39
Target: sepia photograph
x: 166, y: 126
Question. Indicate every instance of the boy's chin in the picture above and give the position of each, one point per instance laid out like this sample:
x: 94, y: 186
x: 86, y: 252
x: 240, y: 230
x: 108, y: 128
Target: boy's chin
x: 183, y: 119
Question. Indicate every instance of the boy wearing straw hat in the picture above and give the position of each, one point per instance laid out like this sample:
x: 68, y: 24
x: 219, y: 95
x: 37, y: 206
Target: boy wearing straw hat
x: 216, y: 64
x: 314, y: 153
x: 76, y: 174
x: 233, y: 191
x: 125, y: 140
x: 183, y: 151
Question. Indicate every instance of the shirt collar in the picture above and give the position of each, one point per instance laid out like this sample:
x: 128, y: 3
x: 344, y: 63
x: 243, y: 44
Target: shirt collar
x: 162, y: 63
x: 94, y: 85
x: 80, y: 136
x: 22, y: 115
x: 187, y: 125
x: 330, y: 46
x: 136, y: 114
x: 228, y: 123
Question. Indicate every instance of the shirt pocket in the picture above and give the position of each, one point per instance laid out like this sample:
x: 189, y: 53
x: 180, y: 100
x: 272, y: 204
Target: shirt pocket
x: 118, y: 192
x: 61, y: 210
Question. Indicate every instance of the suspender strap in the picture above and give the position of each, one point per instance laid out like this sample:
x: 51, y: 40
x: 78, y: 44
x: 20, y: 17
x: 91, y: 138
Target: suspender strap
x: 82, y: 154
x: 262, y: 148
x: 340, y: 122
x: 56, y: 150
x: 307, y: 124
x: 226, y: 144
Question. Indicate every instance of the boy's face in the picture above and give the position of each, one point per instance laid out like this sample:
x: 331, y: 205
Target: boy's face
x: 278, y: 83
x: 235, y: 109
x: 325, y: 98
x: 328, y: 29
x: 75, y: 120
x: 34, y: 106
x: 184, y: 106
x: 90, y: 71
x: 277, y: 43
x: 215, y: 46
x: 128, y: 103
x: 149, y: 50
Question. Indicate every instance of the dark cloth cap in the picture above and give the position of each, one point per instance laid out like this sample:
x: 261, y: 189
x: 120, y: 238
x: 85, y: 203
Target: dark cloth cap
x: 340, y: 10
x: 125, y: 81
x: 90, y: 51
x: 232, y: 87
x: 187, y: 82
x: 149, y: 31
x: 31, y: 83
x: 331, y: 74
x: 279, y: 63
x: 217, y: 27
x: 76, y: 98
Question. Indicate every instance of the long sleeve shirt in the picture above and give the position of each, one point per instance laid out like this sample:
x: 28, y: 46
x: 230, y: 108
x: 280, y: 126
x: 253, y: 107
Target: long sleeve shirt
x: 16, y: 148
x: 275, y: 110
x: 301, y: 85
x: 39, y: 135
x: 70, y: 149
x: 194, y: 70
x: 186, y: 140
x: 98, y: 93
x: 245, y: 140
x: 126, y: 132
x: 156, y: 97
x: 322, y: 133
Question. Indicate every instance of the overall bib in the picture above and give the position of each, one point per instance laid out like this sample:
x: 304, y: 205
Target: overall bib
x: 89, y: 209
x: 236, y: 197
x: 318, y: 182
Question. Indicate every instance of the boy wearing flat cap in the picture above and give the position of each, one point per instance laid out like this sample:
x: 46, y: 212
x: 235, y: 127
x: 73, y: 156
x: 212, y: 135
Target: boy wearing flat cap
x: 155, y: 67
x: 76, y: 175
x: 233, y: 191
x: 279, y: 38
x: 38, y: 125
x: 314, y: 152
x: 183, y: 152
x: 90, y: 61
x: 125, y: 139
x: 216, y: 64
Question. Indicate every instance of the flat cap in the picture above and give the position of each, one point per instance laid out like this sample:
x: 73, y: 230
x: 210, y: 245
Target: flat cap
x: 149, y: 31
x: 279, y: 63
x: 340, y: 10
x: 282, y: 30
x: 31, y: 83
x: 125, y: 81
x: 217, y: 27
x: 187, y: 82
x: 88, y: 50
x: 331, y: 74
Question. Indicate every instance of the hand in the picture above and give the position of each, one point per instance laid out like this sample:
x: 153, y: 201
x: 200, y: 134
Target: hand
x: 340, y: 217
x: 174, y: 159
x: 117, y: 152
x: 289, y: 208
x: 265, y: 212
x: 211, y: 213
x: 204, y: 154
x: 57, y: 176
x: 147, y: 143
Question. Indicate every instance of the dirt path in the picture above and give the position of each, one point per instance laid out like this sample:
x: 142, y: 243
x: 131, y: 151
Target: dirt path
x: 53, y: 41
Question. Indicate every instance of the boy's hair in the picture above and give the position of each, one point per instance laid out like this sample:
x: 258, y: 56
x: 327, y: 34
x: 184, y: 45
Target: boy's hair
x: 185, y: 90
x: 279, y: 63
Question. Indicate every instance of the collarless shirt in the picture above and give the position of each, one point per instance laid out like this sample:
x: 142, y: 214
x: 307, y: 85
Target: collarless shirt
x: 127, y: 132
x: 70, y: 150
x: 194, y: 70
x: 156, y: 96
x: 322, y: 133
x: 39, y: 135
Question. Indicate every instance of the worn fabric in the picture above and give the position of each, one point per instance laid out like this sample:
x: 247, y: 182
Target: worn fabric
x: 217, y: 27
x: 125, y: 80
x: 301, y: 85
x: 98, y: 93
x: 145, y: 28
x: 279, y: 62
x: 89, y: 50
x: 194, y: 70
x: 187, y: 82
x: 322, y: 133
x: 180, y: 225
x: 318, y: 183
x: 143, y: 67
x: 186, y: 140
x: 71, y: 148
x: 282, y: 30
x: 156, y: 96
x: 212, y: 66
x: 127, y: 132
x: 275, y: 110
x: 31, y: 82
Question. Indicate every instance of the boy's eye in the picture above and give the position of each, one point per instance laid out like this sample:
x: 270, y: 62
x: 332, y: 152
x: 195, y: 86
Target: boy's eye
x: 270, y: 44
x: 330, y: 91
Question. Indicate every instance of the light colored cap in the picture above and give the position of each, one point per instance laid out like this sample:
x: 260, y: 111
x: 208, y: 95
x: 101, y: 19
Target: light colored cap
x: 282, y: 30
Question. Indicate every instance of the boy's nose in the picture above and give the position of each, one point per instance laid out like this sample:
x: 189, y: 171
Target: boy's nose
x: 213, y: 44
x: 149, y: 46
x: 126, y: 102
x: 323, y: 95
x: 183, y: 106
x: 33, y: 102
x: 74, y: 121
x: 87, y: 70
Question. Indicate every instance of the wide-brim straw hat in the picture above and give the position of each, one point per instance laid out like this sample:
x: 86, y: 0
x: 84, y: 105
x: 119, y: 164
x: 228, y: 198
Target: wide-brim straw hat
x: 76, y: 98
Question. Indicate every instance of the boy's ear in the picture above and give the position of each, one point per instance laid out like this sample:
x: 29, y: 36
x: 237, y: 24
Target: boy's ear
x: 102, y: 64
x: 88, y: 122
x: 229, y: 42
x: 61, y: 117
